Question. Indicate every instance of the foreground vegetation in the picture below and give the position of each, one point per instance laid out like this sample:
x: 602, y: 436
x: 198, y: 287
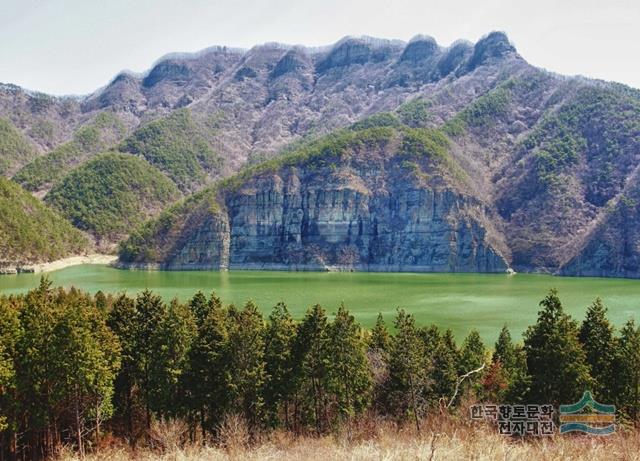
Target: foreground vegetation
x: 107, y: 375
x: 445, y: 437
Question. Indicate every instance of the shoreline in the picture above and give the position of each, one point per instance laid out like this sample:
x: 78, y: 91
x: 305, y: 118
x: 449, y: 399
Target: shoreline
x: 58, y: 264
x: 277, y: 267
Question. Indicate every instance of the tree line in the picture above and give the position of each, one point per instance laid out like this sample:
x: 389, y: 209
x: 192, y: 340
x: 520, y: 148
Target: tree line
x: 74, y: 367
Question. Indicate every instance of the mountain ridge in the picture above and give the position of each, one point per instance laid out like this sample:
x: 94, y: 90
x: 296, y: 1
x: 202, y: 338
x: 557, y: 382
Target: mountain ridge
x: 546, y: 155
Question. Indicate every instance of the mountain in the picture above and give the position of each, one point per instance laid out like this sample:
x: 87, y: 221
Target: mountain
x: 30, y: 232
x: 249, y: 104
x: 44, y: 172
x: 178, y: 146
x: 549, y: 162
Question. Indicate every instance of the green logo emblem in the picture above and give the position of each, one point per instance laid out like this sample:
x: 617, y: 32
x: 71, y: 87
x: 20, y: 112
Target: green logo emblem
x: 588, y: 416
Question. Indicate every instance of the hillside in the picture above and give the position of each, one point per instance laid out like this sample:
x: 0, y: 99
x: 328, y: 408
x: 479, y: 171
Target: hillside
x: 15, y: 150
x: 47, y: 170
x: 178, y: 146
x: 544, y: 187
x: 266, y: 97
x: 111, y: 194
x: 30, y: 232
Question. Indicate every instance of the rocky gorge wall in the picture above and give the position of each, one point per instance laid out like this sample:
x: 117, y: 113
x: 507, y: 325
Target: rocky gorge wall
x: 306, y: 220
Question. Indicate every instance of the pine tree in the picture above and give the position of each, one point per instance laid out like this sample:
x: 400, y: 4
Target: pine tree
x: 87, y: 360
x: 380, y: 339
x: 597, y: 339
x: 472, y: 353
x: 408, y: 370
x: 513, y: 366
x: 206, y: 378
x: 627, y: 395
x: 36, y: 378
x: 7, y: 378
x: 349, y: 376
x: 246, y: 362
x: 171, y: 343
x: 555, y: 358
x: 444, y: 357
x: 149, y: 316
x: 504, y: 350
x: 379, y: 347
x: 472, y: 358
x: 199, y: 307
x: 280, y: 336
x: 311, y: 363
x: 121, y: 320
x: 101, y: 301
x: 10, y: 333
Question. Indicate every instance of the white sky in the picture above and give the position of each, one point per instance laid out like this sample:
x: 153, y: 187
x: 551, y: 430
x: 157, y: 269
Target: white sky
x: 77, y: 46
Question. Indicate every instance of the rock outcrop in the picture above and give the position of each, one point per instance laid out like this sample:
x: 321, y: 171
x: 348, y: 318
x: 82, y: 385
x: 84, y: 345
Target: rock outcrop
x: 298, y: 220
x: 363, y: 207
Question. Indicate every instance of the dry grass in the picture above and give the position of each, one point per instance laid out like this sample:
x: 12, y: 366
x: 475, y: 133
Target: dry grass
x: 442, y: 438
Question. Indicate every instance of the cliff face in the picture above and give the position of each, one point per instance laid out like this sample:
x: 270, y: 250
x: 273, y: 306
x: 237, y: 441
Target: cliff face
x: 301, y: 220
x: 369, y: 209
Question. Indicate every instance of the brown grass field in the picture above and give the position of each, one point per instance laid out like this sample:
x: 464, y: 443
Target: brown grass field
x: 440, y: 438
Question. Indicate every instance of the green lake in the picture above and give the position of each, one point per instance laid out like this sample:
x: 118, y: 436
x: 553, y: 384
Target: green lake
x: 457, y: 301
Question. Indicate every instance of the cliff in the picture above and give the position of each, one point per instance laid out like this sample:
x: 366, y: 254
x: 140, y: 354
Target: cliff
x: 376, y: 199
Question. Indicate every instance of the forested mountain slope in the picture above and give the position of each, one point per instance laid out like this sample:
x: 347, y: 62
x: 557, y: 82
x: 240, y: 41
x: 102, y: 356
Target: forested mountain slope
x: 30, y: 232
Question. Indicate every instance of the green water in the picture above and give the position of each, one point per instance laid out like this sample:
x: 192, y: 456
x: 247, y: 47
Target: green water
x: 457, y: 301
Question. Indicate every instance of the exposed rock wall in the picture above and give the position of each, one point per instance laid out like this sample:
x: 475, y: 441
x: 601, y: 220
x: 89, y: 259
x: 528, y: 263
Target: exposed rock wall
x: 306, y: 220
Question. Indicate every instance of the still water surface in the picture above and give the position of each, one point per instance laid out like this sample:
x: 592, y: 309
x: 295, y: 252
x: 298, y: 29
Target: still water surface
x: 457, y: 301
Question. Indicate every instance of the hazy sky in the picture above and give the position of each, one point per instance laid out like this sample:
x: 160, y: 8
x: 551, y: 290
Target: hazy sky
x: 77, y: 46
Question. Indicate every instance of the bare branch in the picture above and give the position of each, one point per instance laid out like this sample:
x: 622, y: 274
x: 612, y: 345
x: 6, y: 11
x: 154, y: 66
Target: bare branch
x: 460, y: 380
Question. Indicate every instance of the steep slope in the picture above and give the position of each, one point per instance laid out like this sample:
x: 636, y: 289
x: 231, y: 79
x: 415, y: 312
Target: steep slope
x: 15, y: 150
x: 46, y: 171
x: 373, y: 198
x: 30, y: 232
x: 179, y: 146
x: 111, y: 194
x: 611, y: 248
x: 551, y: 158
x: 47, y: 120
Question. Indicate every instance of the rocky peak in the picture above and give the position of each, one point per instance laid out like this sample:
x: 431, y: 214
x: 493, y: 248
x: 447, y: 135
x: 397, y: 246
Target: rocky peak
x: 454, y: 57
x: 346, y: 52
x: 420, y: 49
x: 292, y: 61
x: 496, y: 45
x: 122, y: 92
x: 168, y: 70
